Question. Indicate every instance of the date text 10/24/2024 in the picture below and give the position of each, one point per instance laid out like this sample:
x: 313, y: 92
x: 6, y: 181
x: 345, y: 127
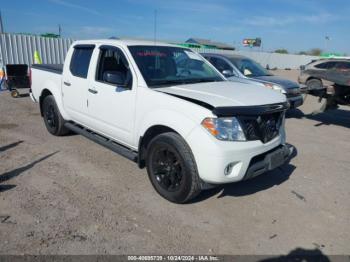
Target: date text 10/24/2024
x: 173, y: 258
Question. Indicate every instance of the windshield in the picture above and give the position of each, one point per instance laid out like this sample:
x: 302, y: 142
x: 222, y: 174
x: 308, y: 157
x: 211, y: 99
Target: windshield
x: 165, y: 65
x: 249, y: 67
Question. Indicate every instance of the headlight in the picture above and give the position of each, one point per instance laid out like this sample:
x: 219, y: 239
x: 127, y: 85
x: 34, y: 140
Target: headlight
x: 225, y: 128
x: 275, y: 87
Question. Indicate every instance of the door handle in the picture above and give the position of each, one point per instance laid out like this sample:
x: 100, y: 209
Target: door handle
x: 93, y: 91
x: 67, y: 83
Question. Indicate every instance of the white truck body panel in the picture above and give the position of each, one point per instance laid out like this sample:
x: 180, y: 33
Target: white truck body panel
x: 227, y: 93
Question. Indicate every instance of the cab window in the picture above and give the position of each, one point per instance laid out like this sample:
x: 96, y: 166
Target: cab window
x: 79, y: 65
x: 113, y: 62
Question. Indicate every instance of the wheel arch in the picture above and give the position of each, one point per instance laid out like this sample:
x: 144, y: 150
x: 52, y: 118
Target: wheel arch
x: 157, y: 122
x: 144, y: 141
x: 52, y: 90
x: 46, y: 92
x: 311, y: 78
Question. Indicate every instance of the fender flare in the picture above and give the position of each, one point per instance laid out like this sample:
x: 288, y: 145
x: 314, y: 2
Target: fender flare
x: 179, y: 122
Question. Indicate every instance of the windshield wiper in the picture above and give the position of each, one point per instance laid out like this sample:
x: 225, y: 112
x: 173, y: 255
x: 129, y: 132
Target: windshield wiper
x: 205, y: 80
x: 166, y: 83
x: 183, y: 81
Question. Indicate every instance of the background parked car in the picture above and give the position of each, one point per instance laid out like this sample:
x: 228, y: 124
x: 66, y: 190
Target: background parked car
x: 323, y: 73
x: 242, y: 69
x: 329, y: 79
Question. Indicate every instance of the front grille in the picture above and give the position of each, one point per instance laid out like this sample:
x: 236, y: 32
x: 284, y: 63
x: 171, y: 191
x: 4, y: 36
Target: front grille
x: 264, y: 127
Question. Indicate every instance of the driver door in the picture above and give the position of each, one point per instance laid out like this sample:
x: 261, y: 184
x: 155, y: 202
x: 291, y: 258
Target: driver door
x: 112, y: 107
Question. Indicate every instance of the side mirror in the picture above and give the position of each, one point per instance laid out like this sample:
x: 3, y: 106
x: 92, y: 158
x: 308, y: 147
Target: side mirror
x: 115, y: 77
x: 302, y: 67
x: 227, y: 73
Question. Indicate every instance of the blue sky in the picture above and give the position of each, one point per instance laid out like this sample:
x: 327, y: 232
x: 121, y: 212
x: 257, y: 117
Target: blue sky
x: 292, y: 24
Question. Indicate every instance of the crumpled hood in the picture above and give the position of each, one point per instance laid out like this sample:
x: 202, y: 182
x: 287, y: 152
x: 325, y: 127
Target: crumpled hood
x: 285, y: 83
x: 226, y: 93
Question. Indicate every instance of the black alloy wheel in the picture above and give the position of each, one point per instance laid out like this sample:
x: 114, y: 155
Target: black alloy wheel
x: 167, y: 168
x: 172, y: 169
x: 51, y: 117
x: 54, y: 122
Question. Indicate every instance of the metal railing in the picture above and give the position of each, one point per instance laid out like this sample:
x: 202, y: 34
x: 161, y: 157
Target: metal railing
x: 19, y: 49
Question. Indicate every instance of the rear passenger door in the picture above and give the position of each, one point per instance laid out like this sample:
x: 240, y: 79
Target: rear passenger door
x: 341, y: 73
x: 343, y: 66
x: 75, y: 83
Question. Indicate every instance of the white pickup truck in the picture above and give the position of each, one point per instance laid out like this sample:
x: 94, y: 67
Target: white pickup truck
x: 166, y: 108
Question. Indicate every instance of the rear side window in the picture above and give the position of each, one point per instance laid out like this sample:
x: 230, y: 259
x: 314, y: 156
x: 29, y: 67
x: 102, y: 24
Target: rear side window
x: 343, y: 65
x: 326, y: 65
x: 79, y: 65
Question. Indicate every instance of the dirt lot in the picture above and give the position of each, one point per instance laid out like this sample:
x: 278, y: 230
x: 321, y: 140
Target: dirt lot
x: 69, y: 195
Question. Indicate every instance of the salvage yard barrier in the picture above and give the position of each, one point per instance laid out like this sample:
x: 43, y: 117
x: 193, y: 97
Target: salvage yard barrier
x: 19, y: 49
x: 273, y: 60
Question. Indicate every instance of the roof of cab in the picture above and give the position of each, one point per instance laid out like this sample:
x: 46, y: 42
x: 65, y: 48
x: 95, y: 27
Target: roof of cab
x: 125, y: 42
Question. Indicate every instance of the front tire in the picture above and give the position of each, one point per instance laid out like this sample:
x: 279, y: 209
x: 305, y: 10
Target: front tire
x: 172, y: 169
x: 54, y: 122
x: 314, y: 84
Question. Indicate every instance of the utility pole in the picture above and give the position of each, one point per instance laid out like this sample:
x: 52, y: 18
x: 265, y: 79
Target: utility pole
x: 155, y: 26
x: 59, y: 31
x: 1, y: 25
x: 326, y: 40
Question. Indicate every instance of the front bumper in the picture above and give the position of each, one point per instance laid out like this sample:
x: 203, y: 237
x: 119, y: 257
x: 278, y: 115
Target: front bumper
x: 213, y: 157
x: 302, y: 79
x: 295, y: 101
x: 269, y: 161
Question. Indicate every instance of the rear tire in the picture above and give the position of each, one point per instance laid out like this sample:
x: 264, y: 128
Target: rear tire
x: 172, y: 168
x: 54, y: 122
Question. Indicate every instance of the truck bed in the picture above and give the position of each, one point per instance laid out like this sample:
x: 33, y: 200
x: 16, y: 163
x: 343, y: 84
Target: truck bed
x: 43, y: 76
x: 53, y: 68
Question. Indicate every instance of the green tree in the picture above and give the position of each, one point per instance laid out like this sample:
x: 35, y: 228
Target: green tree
x: 315, y: 52
x: 281, y: 51
x: 50, y: 35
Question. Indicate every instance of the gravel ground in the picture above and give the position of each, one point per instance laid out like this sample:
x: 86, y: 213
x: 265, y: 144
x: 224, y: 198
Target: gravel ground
x: 68, y: 195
